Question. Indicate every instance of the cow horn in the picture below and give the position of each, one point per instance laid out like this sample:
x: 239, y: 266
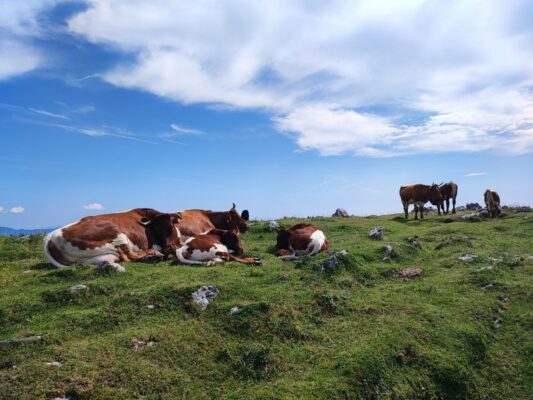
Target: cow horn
x: 233, y: 208
x: 145, y: 221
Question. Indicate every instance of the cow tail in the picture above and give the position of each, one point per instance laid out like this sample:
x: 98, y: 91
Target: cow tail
x: 52, y: 260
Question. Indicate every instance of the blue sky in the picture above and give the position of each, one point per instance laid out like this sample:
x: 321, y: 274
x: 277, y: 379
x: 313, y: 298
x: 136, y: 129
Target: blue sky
x: 286, y: 108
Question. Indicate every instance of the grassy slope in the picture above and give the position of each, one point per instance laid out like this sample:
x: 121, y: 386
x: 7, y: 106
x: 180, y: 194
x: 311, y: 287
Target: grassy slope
x: 359, y: 332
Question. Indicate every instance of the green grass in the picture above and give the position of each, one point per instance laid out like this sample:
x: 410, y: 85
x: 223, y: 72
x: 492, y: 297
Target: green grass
x: 355, y: 332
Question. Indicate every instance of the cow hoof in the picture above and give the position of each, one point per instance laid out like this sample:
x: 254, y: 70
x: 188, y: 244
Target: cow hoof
x: 108, y: 266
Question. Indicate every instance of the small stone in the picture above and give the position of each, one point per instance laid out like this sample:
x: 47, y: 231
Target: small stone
x: 22, y: 340
x: 488, y: 287
x: 140, y: 344
x: 467, y: 257
x: 273, y: 225
x: 28, y: 271
x: 150, y: 306
x: 413, y: 242
x: 409, y: 273
x: 204, y: 295
x: 61, y: 398
x: 77, y: 288
x: 283, y: 277
x: 486, y: 268
x: 376, y: 233
x: 503, y: 298
x: 497, y: 321
x: 108, y: 267
x: 235, y: 310
x: 333, y: 261
x: 388, y: 250
x: 340, y: 212
x: 54, y: 364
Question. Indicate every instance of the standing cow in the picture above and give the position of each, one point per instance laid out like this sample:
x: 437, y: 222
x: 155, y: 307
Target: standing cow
x: 419, y: 195
x: 109, y: 238
x: 449, y: 191
x: 215, y: 246
x: 492, y: 202
x: 299, y: 241
x: 196, y: 222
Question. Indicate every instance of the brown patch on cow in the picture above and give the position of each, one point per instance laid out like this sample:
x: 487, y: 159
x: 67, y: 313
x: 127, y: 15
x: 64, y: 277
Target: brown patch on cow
x: 195, y: 222
x: 56, y: 254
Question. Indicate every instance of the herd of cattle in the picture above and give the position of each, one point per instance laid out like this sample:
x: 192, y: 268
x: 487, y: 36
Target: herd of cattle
x: 204, y: 236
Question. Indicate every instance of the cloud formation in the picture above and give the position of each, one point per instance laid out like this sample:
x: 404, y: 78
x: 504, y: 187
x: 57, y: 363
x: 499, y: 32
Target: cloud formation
x: 17, y: 210
x: 472, y: 174
x: 376, y: 78
x: 93, y: 206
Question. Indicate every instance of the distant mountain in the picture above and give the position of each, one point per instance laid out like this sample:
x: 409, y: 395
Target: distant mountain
x: 5, y: 231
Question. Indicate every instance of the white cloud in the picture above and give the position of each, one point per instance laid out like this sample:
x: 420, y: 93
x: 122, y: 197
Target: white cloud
x: 17, y: 210
x: 1, y: 209
x: 471, y: 174
x: 48, y: 113
x: 181, y: 131
x: 17, y: 57
x: 463, y: 68
x: 93, y: 206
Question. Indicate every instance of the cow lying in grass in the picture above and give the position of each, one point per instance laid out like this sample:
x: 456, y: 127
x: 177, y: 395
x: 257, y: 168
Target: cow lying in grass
x: 215, y: 246
x: 110, y: 238
x: 299, y: 241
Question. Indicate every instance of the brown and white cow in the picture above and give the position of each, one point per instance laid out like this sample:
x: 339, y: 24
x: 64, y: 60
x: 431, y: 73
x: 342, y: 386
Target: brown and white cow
x: 492, y: 202
x: 195, y: 222
x: 299, y: 241
x: 449, y: 191
x: 215, y: 246
x: 109, y: 238
x: 419, y: 195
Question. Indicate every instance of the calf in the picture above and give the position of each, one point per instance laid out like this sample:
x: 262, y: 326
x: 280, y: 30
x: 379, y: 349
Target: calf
x: 419, y: 195
x: 299, y: 241
x: 215, y: 246
x: 492, y: 202
x: 106, y: 239
x: 195, y: 222
x: 449, y: 191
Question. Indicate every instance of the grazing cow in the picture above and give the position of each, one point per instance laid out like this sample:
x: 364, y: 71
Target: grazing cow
x: 106, y: 239
x: 215, y: 246
x: 299, y: 241
x: 419, y: 195
x: 195, y: 222
x: 449, y: 191
x: 492, y: 202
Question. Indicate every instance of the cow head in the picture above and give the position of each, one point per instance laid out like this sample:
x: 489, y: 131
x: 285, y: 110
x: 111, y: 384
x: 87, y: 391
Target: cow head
x: 234, y: 220
x: 435, y: 196
x: 231, y: 240
x: 163, y: 231
x: 282, y: 240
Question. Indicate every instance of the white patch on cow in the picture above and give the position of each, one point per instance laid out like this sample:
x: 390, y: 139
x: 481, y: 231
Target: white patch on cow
x: 72, y: 254
x: 198, y: 257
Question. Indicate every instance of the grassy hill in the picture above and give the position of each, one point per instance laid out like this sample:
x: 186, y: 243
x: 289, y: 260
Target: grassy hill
x: 356, y: 331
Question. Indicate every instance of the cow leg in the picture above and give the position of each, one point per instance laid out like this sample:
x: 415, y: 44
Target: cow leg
x: 406, y: 209
x: 248, y: 260
x: 453, y: 205
x: 126, y: 253
x: 447, y: 206
x: 416, y: 211
x: 103, y: 261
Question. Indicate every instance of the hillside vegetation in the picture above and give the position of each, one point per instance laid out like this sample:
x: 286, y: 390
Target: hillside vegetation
x: 358, y: 330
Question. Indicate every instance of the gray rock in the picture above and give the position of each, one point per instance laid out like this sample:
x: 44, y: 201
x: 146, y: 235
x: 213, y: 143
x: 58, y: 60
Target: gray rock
x: 150, y: 306
x: 204, y: 295
x: 413, y: 242
x: 467, y: 257
x: 523, y: 209
x: 408, y: 273
x: 78, y: 288
x: 376, y: 233
x: 22, y: 340
x: 332, y: 261
x: 473, y: 206
x: 283, y: 277
x: 235, y: 310
x: 140, y: 344
x: 340, y: 212
x: 54, y: 364
x: 488, y: 287
x: 61, y: 398
x: 273, y: 225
